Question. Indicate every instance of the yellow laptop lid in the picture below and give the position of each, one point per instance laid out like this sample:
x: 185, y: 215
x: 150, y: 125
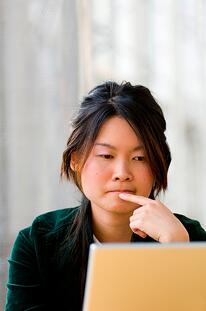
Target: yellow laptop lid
x: 146, y: 277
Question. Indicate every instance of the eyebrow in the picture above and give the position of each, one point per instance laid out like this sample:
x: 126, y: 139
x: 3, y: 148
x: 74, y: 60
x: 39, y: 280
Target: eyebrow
x: 137, y: 148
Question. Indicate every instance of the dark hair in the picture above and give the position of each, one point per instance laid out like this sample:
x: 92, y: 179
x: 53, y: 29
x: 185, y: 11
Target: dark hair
x: 139, y: 108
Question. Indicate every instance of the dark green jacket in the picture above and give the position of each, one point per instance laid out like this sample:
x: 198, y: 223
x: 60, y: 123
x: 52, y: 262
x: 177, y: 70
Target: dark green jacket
x: 37, y: 280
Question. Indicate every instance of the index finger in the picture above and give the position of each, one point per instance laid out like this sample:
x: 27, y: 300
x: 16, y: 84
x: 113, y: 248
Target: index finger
x: 135, y: 198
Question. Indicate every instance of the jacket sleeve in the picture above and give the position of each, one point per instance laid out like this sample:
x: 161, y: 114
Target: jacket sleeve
x: 24, y: 291
x: 196, y: 232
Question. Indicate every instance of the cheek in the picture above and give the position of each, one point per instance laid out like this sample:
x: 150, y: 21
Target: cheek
x: 92, y: 174
x: 93, y: 181
x: 146, y: 177
x: 94, y: 168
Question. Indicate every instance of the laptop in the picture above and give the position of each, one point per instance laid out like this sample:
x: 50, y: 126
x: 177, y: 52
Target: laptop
x: 146, y: 277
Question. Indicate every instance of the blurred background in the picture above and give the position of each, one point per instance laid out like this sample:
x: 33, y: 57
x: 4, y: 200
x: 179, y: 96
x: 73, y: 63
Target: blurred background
x: 52, y: 53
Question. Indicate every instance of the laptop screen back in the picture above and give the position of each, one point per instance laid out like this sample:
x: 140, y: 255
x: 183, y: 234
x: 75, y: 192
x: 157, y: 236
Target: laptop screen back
x: 146, y: 277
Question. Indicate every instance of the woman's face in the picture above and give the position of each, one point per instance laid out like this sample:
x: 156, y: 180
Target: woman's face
x: 117, y: 163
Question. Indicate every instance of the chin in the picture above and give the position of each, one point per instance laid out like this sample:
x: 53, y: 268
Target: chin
x: 121, y: 207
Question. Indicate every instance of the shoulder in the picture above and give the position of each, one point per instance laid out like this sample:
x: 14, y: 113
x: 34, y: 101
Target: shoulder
x: 55, y: 220
x: 194, y: 228
x: 45, y: 233
x: 47, y: 226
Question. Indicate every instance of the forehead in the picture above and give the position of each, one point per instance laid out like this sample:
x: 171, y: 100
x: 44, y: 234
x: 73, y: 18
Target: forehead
x: 117, y: 131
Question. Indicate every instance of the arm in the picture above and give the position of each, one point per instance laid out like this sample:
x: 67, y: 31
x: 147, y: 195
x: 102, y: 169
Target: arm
x: 154, y: 219
x: 194, y: 228
x: 24, y: 285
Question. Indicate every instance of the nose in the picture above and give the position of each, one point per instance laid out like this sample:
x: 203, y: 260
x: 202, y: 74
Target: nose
x: 122, y: 172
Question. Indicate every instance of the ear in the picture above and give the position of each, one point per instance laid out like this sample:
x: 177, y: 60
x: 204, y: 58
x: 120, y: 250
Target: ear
x: 73, y: 162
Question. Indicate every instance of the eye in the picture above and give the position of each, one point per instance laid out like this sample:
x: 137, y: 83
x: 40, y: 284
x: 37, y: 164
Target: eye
x: 139, y: 158
x: 105, y: 156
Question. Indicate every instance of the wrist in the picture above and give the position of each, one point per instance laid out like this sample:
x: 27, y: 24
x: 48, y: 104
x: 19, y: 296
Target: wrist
x: 182, y: 236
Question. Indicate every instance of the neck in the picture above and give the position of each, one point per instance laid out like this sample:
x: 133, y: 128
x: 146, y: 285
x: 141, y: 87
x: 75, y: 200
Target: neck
x: 110, y: 227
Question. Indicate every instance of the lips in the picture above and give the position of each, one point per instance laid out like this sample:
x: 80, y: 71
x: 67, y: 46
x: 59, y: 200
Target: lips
x: 122, y: 191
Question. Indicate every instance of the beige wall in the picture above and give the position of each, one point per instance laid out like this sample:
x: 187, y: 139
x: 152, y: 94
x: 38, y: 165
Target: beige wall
x: 162, y: 44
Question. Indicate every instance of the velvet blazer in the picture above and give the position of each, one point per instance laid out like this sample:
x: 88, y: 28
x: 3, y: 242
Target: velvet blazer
x: 37, y: 280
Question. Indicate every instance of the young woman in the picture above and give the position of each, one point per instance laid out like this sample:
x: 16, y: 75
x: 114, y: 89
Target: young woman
x: 118, y: 157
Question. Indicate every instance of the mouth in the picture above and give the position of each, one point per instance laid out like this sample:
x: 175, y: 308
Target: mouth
x: 122, y: 191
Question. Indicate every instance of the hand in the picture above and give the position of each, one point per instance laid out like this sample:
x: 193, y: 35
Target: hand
x: 154, y: 219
